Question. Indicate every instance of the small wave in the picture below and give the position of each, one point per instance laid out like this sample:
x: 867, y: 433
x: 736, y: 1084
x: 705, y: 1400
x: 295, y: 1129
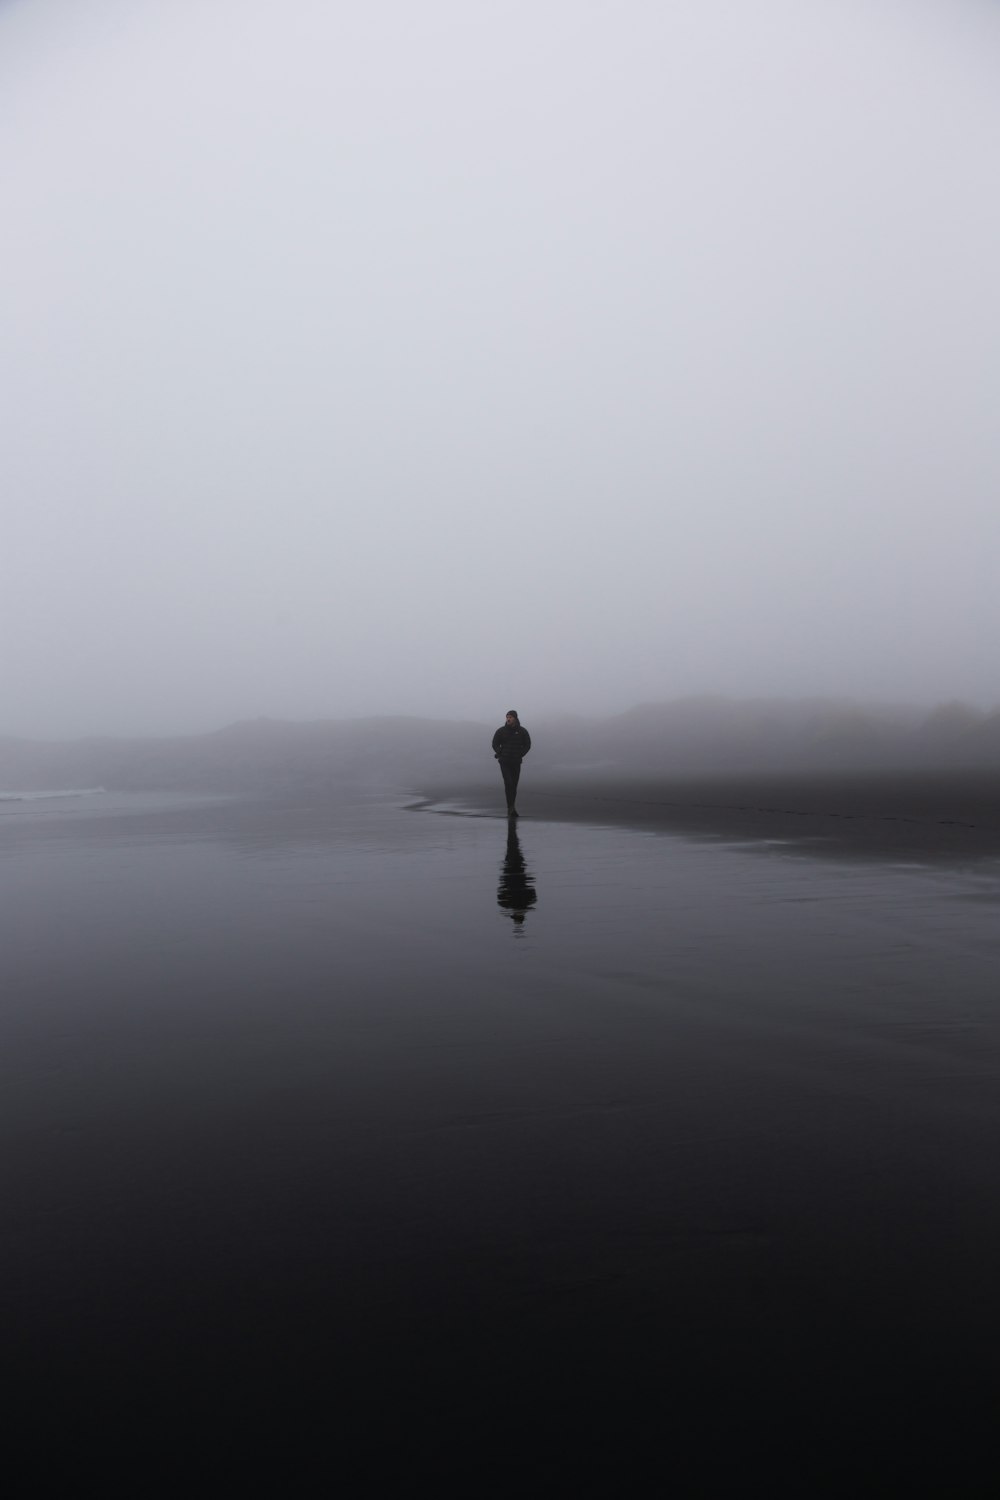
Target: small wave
x: 80, y: 791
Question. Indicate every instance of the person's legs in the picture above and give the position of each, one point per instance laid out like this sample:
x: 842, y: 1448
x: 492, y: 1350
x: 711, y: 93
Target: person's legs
x: 510, y: 770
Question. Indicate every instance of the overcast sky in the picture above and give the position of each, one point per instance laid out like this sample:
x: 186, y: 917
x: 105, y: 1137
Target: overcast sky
x: 437, y: 357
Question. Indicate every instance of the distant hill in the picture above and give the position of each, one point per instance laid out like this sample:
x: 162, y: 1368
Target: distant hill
x: 260, y: 755
x: 692, y: 735
x: 683, y: 737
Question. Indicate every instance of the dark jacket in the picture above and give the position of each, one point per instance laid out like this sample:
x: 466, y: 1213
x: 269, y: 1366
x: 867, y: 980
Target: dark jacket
x: 511, y: 742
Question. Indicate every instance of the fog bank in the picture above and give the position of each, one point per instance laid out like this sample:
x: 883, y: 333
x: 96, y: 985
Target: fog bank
x: 427, y: 359
x: 402, y: 755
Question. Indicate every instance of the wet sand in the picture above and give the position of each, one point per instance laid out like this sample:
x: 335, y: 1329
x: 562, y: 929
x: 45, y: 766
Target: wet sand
x: 499, y: 1156
x: 930, y: 817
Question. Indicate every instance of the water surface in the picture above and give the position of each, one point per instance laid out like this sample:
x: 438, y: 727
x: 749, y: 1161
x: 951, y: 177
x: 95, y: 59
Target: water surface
x: 431, y: 1112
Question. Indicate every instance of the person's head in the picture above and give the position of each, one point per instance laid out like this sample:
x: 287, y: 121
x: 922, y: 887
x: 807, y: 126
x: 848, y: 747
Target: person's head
x: 512, y: 716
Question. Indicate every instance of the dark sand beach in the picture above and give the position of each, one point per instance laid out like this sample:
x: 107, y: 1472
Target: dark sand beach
x: 579, y: 1151
x: 941, y: 815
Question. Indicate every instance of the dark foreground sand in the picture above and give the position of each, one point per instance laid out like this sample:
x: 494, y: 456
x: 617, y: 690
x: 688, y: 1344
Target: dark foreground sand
x: 925, y: 816
x: 316, y: 1166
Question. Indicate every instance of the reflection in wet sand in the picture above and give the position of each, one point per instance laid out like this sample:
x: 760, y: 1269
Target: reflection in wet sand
x: 516, y: 892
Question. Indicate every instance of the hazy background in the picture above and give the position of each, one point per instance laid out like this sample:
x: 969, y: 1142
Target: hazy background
x: 431, y: 358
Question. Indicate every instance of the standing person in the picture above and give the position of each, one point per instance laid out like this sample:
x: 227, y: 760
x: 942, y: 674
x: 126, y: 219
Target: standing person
x: 511, y: 744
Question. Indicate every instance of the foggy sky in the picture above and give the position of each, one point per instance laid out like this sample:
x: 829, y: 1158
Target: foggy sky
x: 433, y: 358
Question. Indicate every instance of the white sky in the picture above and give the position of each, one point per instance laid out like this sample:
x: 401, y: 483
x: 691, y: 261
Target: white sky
x: 433, y: 357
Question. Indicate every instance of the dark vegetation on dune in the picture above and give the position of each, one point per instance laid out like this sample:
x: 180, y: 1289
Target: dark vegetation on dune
x: 691, y: 736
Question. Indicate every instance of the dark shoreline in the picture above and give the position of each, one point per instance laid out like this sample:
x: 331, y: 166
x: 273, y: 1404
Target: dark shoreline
x: 947, y: 816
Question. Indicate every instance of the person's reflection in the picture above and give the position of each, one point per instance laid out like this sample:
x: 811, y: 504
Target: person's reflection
x: 516, y: 893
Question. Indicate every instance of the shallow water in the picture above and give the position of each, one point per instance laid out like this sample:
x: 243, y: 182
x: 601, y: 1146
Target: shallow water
x: 399, y: 1098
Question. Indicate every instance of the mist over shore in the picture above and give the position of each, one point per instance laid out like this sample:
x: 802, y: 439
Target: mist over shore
x: 684, y: 737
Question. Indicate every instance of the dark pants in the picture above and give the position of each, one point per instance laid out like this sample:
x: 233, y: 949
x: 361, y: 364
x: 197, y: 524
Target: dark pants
x: 511, y: 771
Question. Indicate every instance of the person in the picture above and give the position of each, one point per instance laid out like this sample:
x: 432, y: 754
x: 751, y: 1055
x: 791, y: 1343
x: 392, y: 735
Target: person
x: 511, y: 744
